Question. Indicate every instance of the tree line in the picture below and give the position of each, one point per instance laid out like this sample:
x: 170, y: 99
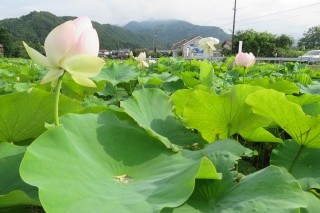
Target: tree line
x: 270, y: 45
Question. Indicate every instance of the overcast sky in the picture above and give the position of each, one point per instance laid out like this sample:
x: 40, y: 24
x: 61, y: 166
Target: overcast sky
x: 292, y: 17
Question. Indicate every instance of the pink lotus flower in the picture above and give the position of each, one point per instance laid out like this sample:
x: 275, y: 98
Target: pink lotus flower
x: 72, y: 47
x: 245, y: 60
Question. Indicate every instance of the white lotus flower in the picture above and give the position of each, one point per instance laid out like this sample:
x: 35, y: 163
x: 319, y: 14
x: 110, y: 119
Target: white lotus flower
x: 72, y: 47
x: 142, y: 59
x: 207, y: 44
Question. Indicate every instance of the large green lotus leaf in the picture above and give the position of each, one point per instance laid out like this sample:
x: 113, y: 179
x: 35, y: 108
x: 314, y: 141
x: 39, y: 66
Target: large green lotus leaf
x: 260, y: 135
x: 117, y: 73
x: 269, y: 190
x: 151, y: 109
x: 281, y: 86
x: 304, y: 99
x: 189, y: 78
x: 310, y: 103
x: 13, y: 191
x: 220, y: 116
x: 98, y: 163
x: 157, y: 79
x: 310, y: 89
x: 173, y: 86
x: 24, y: 114
x: 224, y: 154
x: 206, y: 73
x: 289, y: 116
x: 74, y: 90
x: 285, y: 86
x: 312, y: 109
x: 179, y: 99
x: 301, y: 162
x: 313, y: 203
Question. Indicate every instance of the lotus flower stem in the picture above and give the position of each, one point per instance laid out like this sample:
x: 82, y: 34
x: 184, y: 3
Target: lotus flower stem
x: 244, y: 73
x: 57, y: 95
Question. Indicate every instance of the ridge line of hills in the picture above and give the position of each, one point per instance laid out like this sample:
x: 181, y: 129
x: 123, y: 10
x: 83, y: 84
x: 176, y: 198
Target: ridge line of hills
x: 34, y: 27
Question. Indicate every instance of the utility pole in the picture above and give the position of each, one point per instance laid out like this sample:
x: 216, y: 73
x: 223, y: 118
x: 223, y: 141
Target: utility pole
x: 155, y: 41
x: 234, y: 24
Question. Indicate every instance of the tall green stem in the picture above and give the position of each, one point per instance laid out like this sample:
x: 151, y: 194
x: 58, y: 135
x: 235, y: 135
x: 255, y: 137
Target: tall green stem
x: 56, y: 106
x: 244, y: 73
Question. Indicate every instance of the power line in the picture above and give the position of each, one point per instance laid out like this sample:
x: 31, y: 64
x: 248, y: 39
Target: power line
x: 298, y: 15
x: 252, y: 5
x: 283, y: 11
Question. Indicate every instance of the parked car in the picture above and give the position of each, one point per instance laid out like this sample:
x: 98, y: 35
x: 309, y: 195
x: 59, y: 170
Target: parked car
x: 311, y: 56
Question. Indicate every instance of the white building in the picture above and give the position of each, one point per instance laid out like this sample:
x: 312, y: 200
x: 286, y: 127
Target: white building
x: 189, y: 49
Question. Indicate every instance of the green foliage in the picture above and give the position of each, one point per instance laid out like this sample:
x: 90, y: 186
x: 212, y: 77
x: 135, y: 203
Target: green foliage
x: 28, y: 112
x: 6, y: 41
x: 221, y: 116
x: 13, y: 191
x: 113, y: 164
x: 300, y: 161
x: 249, y: 195
x: 311, y: 39
x: 289, y: 116
x: 284, y: 41
x: 263, y: 43
x: 141, y: 140
x: 151, y: 109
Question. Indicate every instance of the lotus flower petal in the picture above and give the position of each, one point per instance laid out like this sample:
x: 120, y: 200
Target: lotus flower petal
x: 84, y: 65
x: 59, y: 41
x: 245, y: 59
x: 72, y: 46
x: 37, y: 57
x: 52, y: 75
x: 142, y: 59
x: 88, y: 43
x: 211, y: 45
x: 83, y: 81
x: 207, y: 44
x: 145, y: 64
x: 81, y: 24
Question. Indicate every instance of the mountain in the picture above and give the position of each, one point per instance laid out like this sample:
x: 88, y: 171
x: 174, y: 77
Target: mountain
x: 34, y: 27
x: 167, y: 32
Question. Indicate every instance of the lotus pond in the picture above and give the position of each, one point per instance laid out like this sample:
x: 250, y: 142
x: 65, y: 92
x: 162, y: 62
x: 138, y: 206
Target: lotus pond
x: 178, y: 136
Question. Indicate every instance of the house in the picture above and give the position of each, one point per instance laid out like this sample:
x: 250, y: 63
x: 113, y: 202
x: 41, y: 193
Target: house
x: 1, y: 49
x: 189, y: 49
x: 123, y: 53
x: 177, y: 48
x: 226, y: 44
x: 103, y: 53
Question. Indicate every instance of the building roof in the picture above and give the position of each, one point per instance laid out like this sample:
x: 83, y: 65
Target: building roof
x: 190, y: 40
x: 178, y: 44
x: 226, y: 42
x: 184, y: 41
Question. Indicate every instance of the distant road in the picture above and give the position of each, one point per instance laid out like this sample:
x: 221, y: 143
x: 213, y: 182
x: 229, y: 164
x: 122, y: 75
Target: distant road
x: 274, y: 59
